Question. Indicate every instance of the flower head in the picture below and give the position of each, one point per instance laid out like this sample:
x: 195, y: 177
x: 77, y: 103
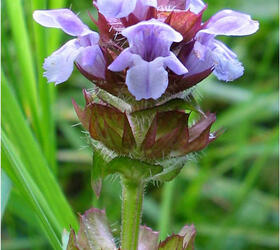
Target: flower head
x: 144, y: 61
x: 148, y: 49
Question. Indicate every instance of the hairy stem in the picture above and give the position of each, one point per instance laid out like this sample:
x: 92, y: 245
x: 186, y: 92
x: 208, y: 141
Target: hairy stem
x: 132, y: 200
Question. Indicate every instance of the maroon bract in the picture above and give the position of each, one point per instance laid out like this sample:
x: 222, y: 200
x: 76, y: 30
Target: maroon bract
x: 167, y: 135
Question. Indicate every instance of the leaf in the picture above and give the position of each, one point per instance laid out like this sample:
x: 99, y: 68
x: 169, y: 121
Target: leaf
x: 172, y: 242
x: 148, y: 239
x: 106, y: 124
x: 182, y: 241
x: 98, y: 169
x: 188, y: 232
x: 65, y: 239
x: 132, y: 169
x: 36, y: 109
x: 199, y: 134
x: 6, y: 186
x: 71, y: 243
x: 32, y: 161
x: 171, y: 168
x: 186, y: 23
x: 94, y: 233
x: 22, y: 179
x: 164, y: 137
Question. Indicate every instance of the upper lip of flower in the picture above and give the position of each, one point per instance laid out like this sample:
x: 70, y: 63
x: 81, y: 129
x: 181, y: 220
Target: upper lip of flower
x: 151, y: 39
x: 84, y: 49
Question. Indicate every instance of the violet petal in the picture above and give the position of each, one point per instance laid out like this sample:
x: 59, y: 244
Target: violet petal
x: 147, y: 79
x: 173, y: 63
x: 227, y: 67
x: 59, y: 65
x: 116, y: 8
x: 195, y: 6
x: 91, y: 60
x: 63, y: 19
x: 142, y: 6
x: 123, y: 61
x: 231, y: 23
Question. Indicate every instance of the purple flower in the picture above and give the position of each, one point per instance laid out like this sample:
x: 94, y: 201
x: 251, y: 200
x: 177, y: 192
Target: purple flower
x: 208, y: 51
x: 147, y: 58
x: 122, y: 8
x: 84, y: 50
x: 194, y: 6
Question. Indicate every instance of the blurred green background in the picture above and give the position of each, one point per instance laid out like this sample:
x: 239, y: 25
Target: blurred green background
x: 229, y: 191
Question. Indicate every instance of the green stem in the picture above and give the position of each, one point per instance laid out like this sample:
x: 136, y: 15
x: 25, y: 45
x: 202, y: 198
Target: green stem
x: 132, y: 200
x: 165, y: 211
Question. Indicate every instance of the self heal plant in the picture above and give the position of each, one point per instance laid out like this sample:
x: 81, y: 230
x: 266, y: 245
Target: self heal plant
x: 144, y: 63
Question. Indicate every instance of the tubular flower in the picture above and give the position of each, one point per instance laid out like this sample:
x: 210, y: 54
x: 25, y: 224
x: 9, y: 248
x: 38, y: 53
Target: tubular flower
x: 84, y: 50
x: 123, y: 8
x: 208, y: 51
x: 147, y: 58
x: 195, y: 6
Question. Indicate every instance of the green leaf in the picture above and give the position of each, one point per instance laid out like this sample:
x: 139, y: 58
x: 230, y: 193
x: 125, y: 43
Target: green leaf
x: 188, y: 232
x: 97, y: 172
x: 32, y: 160
x: 46, y: 92
x: 65, y: 239
x: 6, y: 186
x: 172, y: 242
x: 30, y: 190
x: 28, y: 90
x: 132, y: 169
x: 171, y: 168
x: 72, y: 241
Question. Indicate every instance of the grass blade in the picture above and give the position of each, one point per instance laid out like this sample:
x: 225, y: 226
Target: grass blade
x: 24, y: 182
x: 32, y: 158
x: 6, y: 186
x: 46, y: 91
x: 27, y: 84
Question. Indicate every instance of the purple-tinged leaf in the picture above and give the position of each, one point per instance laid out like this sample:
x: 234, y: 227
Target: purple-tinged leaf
x: 188, y: 232
x: 72, y: 242
x: 94, y: 231
x: 128, y: 140
x: 185, y: 22
x: 174, y: 242
x: 199, y: 134
x: 167, y: 131
x: 97, y: 172
x: 148, y: 239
